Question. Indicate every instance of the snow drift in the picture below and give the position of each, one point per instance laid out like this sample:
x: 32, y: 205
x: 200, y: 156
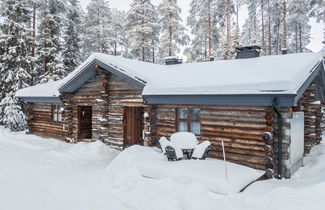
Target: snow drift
x: 210, y: 173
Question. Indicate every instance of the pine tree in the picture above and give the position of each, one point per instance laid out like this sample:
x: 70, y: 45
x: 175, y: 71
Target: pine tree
x: 35, y: 6
x: 317, y: 10
x: 49, y: 45
x: 16, y: 60
x: 98, y: 28
x: 173, y: 32
x: 298, y: 25
x: 206, y: 16
x: 143, y: 29
x: 251, y: 34
x: 119, y: 42
x: 72, y: 41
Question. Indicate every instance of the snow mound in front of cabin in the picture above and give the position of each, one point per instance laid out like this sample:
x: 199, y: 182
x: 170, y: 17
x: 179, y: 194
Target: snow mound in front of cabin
x: 209, y: 173
x: 87, y: 151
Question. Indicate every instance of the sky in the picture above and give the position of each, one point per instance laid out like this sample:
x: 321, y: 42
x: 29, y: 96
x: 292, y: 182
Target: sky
x: 316, y: 31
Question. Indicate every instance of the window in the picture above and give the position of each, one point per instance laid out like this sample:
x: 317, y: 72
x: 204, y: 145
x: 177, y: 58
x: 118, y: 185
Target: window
x: 56, y: 113
x: 188, y: 120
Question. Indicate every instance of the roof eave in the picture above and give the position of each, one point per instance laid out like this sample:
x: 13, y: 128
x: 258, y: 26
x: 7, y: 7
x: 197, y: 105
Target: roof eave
x: 36, y: 99
x: 283, y: 100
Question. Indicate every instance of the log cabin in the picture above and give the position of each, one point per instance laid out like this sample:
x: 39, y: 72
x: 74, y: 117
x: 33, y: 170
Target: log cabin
x: 267, y: 110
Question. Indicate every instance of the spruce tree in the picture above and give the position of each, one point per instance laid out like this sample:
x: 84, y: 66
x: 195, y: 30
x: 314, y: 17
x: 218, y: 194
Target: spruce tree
x: 173, y: 32
x: 16, y: 60
x: 119, y: 44
x: 98, y: 28
x: 49, y: 44
x: 203, y: 22
x: 317, y: 10
x: 71, y: 35
x: 298, y: 25
x: 143, y: 29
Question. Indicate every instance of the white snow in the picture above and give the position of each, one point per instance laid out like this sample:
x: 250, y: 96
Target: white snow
x: 283, y: 74
x: 38, y: 173
x: 49, y: 89
x: 200, y: 149
x: 184, y: 140
x: 210, y: 173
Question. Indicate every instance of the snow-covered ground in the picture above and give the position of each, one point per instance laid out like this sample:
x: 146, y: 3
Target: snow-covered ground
x: 38, y: 173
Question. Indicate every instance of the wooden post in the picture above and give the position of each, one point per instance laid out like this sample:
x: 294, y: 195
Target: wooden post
x: 224, y: 159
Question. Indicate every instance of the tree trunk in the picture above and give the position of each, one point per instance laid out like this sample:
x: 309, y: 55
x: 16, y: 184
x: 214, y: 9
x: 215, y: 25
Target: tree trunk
x: 237, y: 13
x: 143, y: 50
x: 115, y: 49
x: 300, y: 39
x: 278, y: 38
x: 170, y: 53
x: 284, y: 39
x: 229, y: 45
x: 210, y: 31
x: 98, y: 31
x: 34, y: 28
x: 205, y: 49
x: 255, y: 31
x: 269, y: 27
x: 296, y: 37
x: 263, y: 41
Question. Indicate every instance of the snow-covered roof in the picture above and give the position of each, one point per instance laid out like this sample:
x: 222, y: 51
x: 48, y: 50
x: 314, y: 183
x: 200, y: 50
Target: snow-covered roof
x: 49, y: 89
x: 283, y: 74
x: 267, y: 75
x: 139, y: 71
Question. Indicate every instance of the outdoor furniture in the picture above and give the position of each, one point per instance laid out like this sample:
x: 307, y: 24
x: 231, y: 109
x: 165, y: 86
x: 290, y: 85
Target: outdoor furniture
x: 186, y: 141
x: 173, y: 153
x: 201, y: 151
x: 163, y: 141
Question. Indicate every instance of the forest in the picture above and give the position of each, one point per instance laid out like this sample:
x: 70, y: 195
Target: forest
x: 44, y: 40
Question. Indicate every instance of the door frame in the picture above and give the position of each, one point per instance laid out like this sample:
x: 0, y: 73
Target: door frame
x: 79, y: 107
x: 140, y: 113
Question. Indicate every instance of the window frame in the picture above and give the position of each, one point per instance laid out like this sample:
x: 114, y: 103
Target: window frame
x: 188, y: 120
x: 56, y: 113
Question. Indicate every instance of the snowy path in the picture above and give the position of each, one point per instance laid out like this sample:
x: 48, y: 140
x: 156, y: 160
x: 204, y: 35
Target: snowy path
x: 44, y: 174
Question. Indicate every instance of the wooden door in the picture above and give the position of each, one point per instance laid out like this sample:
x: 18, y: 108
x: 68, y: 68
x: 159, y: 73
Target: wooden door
x: 85, y: 116
x: 133, y: 126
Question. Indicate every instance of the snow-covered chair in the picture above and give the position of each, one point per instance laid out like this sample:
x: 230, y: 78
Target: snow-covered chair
x: 184, y: 140
x: 201, y: 151
x: 173, y: 153
x: 163, y: 141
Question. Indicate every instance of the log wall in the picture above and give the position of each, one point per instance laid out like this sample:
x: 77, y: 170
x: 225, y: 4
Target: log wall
x: 39, y: 121
x: 121, y: 93
x: 93, y: 93
x: 241, y: 129
x: 314, y: 118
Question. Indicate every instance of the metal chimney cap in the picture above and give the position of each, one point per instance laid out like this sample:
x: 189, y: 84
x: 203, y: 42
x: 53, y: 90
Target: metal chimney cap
x: 247, y: 48
x: 171, y: 60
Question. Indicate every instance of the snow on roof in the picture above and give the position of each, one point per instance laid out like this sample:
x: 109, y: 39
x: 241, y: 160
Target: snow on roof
x: 267, y: 74
x: 283, y: 74
x: 49, y: 89
x: 138, y: 70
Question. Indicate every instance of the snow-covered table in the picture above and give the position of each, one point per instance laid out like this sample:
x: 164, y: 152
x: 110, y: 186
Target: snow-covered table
x: 186, y: 141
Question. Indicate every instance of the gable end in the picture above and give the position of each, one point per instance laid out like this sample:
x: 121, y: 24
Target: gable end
x: 89, y: 71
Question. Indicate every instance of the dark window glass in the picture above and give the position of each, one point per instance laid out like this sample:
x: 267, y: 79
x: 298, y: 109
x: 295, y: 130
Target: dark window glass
x: 188, y: 120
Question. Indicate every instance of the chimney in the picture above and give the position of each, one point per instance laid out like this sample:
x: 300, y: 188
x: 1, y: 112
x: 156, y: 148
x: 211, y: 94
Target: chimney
x: 172, y: 60
x: 248, y: 52
x: 284, y: 51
